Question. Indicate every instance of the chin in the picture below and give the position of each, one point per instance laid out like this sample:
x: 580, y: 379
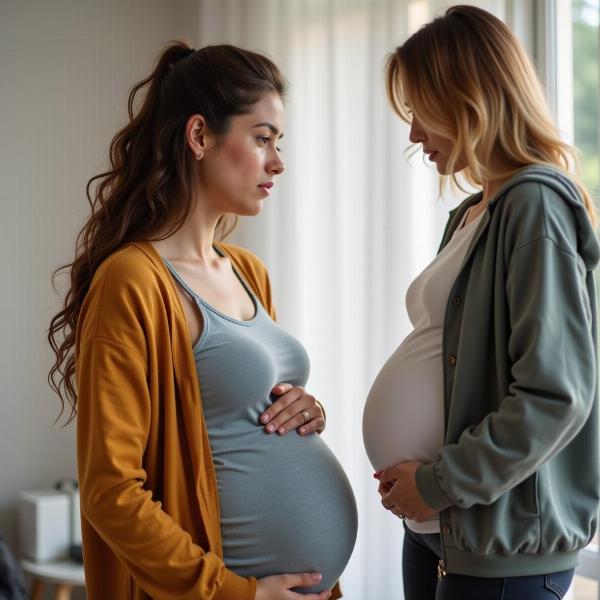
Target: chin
x: 251, y: 210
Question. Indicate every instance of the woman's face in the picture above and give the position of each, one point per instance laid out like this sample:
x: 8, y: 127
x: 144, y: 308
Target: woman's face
x: 437, y: 147
x: 238, y: 171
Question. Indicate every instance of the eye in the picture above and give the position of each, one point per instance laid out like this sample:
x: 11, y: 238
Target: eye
x: 263, y: 140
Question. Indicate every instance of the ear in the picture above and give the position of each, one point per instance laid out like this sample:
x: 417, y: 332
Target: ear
x: 198, y: 137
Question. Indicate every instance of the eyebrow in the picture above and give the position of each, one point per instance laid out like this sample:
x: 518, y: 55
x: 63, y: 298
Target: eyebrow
x: 270, y: 126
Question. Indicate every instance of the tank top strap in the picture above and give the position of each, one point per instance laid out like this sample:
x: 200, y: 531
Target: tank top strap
x: 180, y: 279
x: 208, y: 310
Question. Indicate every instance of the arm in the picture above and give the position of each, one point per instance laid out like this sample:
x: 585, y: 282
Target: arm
x: 551, y: 350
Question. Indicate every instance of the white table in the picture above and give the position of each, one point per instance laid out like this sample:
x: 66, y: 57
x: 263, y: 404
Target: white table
x: 64, y: 575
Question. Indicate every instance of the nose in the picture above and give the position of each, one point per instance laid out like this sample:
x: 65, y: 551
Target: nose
x: 417, y: 133
x: 275, y: 166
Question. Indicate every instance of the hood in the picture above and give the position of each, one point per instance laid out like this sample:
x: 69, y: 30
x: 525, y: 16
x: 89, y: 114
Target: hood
x: 587, y: 242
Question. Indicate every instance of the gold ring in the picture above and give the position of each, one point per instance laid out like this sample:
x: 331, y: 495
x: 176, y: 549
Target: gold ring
x: 306, y: 416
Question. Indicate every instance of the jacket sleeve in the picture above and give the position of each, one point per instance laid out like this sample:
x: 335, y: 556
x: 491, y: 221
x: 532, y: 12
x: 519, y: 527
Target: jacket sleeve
x: 112, y: 427
x: 553, y: 372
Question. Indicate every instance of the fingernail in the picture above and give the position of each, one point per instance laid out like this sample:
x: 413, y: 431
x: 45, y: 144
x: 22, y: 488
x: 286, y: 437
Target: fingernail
x: 281, y: 430
x: 302, y: 429
x: 377, y: 474
x: 317, y: 576
x: 264, y: 418
x: 270, y: 428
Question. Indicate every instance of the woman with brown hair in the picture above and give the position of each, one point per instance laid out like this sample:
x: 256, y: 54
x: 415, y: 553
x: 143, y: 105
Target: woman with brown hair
x: 185, y: 387
x: 483, y: 425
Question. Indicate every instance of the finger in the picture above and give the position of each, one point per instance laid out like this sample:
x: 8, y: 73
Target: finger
x: 281, y: 388
x: 302, y: 580
x: 314, y: 425
x: 291, y: 417
x: 294, y: 417
x: 389, y: 474
x: 386, y: 505
x: 278, y: 406
x: 384, y: 488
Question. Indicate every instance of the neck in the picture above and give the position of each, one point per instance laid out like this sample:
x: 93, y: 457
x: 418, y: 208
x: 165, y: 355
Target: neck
x: 194, y: 239
x: 498, y: 165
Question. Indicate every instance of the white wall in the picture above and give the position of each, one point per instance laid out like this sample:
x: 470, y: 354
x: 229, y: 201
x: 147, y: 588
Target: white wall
x: 65, y: 71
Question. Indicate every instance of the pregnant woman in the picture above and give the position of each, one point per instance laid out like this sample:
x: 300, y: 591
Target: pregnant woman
x: 201, y: 473
x: 483, y: 425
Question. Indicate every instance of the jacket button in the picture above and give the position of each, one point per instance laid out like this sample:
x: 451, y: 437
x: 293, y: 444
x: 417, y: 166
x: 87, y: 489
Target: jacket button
x: 451, y: 360
x: 457, y: 300
x: 446, y: 529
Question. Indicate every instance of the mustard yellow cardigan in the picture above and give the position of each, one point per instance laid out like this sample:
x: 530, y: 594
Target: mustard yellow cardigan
x: 149, y: 502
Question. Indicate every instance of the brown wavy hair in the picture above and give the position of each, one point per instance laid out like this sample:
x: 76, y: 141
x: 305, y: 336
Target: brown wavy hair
x: 467, y: 78
x: 147, y: 192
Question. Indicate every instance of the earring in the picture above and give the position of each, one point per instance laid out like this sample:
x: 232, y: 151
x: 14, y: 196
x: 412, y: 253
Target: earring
x: 198, y: 156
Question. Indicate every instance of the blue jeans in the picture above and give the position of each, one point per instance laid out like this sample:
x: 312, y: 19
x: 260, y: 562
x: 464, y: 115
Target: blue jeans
x: 420, y: 558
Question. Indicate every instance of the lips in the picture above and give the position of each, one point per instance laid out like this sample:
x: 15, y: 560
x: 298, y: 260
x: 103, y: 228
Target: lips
x: 267, y: 185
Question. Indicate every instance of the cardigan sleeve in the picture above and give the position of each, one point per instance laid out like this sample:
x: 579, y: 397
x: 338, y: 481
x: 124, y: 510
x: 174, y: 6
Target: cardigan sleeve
x: 112, y: 427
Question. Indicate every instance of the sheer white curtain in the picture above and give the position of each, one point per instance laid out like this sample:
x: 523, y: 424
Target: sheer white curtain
x: 350, y: 224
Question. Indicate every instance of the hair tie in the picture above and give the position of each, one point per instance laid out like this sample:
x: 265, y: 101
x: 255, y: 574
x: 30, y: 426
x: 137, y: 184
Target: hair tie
x: 188, y: 52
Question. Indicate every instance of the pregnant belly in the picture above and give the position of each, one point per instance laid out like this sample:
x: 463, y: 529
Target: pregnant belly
x: 286, y: 506
x: 403, y: 417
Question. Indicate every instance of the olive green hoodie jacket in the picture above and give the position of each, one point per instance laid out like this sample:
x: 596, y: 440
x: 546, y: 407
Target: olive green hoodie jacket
x: 517, y: 480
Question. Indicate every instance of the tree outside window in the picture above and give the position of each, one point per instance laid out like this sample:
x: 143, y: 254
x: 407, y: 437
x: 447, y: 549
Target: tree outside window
x: 586, y: 90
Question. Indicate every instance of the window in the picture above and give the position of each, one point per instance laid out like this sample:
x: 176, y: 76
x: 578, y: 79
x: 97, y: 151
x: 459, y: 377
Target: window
x: 586, y: 89
x: 585, y: 19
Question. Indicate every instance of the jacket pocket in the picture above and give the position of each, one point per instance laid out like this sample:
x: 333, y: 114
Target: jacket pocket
x: 529, y: 495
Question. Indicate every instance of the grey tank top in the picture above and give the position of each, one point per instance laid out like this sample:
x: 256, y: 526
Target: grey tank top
x: 286, y: 504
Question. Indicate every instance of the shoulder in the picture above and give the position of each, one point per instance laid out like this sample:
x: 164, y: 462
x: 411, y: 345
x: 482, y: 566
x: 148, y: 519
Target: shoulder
x: 534, y: 209
x: 130, y: 264
x: 134, y: 270
x: 128, y: 291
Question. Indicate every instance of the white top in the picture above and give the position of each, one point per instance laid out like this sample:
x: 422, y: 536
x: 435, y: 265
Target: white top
x: 404, y: 413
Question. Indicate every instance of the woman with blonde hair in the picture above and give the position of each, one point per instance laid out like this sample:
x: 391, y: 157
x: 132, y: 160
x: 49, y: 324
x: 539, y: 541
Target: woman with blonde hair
x: 483, y: 424
x: 201, y: 473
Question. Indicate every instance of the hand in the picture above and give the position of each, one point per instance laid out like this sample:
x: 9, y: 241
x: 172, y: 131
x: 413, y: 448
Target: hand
x: 277, y: 587
x: 399, y: 493
x: 286, y: 413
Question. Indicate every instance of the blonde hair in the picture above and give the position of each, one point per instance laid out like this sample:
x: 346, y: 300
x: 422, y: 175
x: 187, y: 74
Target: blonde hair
x: 467, y: 78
